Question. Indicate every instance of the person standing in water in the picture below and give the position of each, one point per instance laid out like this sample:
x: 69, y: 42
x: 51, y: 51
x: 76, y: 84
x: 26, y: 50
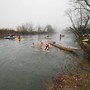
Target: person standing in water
x: 40, y: 45
x: 19, y: 38
x: 60, y: 36
x: 47, y: 46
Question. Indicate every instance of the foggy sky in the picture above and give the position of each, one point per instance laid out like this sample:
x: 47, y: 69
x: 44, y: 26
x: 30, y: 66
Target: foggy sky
x: 39, y: 12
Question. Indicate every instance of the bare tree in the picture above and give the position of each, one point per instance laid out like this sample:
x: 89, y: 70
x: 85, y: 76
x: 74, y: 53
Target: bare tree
x: 39, y: 28
x: 79, y: 17
x: 28, y: 27
x: 87, y: 2
x: 49, y: 29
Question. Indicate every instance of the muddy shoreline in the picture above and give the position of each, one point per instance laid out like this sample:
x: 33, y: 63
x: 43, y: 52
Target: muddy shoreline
x: 75, y: 80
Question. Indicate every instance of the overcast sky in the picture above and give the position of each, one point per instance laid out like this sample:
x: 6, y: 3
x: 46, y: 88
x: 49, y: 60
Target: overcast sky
x: 39, y: 12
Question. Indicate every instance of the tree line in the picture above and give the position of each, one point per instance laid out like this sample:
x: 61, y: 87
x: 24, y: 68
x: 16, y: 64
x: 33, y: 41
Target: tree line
x: 28, y: 28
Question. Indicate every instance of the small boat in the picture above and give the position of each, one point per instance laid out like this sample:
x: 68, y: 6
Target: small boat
x: 85, y: 47
x: 9, y: 37
x: 71, y: 49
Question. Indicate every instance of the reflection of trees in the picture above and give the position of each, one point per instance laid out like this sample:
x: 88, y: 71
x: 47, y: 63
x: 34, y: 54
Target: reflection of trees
x: 40, y: 37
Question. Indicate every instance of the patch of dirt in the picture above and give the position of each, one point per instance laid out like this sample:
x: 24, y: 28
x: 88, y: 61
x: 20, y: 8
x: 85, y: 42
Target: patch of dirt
x: 72, y: 81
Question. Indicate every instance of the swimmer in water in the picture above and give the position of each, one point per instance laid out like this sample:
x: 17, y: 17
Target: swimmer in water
x: 33, y: 44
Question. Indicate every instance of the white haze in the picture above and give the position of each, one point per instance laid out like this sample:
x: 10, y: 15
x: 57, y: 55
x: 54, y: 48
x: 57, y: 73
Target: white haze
x: 39, y: 12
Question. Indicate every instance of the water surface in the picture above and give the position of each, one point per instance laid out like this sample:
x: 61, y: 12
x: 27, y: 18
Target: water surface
x: 23, y: 67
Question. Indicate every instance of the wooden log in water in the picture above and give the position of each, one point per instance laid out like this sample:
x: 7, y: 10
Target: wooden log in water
x: 71, y: 49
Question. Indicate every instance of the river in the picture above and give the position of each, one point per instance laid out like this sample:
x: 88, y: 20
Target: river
x: 23, y: 67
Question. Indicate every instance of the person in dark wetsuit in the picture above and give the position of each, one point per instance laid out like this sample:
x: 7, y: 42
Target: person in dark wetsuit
x: 60, y: 36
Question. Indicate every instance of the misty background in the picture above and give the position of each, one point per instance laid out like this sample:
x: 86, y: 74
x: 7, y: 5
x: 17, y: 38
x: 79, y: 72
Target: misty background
x: 39, y: 12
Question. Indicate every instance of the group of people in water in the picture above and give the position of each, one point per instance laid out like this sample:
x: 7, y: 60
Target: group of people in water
x: 40, y: 45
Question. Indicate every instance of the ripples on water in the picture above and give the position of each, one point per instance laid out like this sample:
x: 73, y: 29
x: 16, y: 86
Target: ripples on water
x: 25, y: 68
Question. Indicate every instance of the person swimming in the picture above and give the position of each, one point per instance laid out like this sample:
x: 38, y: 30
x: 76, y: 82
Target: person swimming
x: 41, y: 45
x: 33, y: 44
